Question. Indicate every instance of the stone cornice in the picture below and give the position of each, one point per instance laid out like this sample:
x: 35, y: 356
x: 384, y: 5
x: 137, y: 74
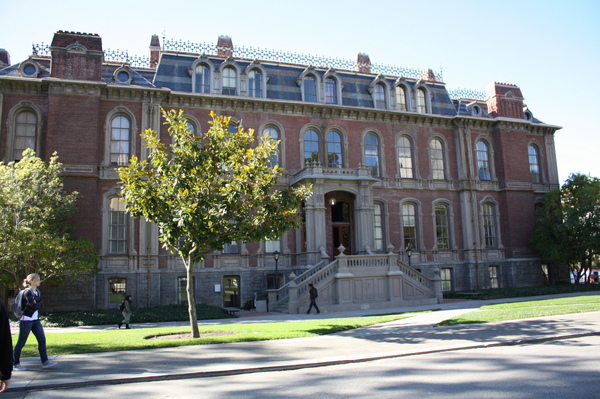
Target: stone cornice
x: 19, y: 85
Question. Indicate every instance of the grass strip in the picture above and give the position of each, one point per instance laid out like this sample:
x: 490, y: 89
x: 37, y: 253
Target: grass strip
x: 64, y: 343
x: 527, y: 310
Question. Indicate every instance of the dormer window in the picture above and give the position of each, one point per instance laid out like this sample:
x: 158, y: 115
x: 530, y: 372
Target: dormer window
x: 229, y: 81
x: 29, y: 69
x: 122, y: 76
x: 310, y: 89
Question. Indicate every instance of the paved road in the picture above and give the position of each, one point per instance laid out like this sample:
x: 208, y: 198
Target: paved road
x: 400, y: 339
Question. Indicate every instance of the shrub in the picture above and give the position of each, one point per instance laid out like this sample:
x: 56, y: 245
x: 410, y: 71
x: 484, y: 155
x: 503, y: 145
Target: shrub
x: 516, y: 292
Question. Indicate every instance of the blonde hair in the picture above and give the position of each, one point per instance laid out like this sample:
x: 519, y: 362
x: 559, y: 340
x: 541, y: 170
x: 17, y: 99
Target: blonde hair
x: 30, y: 278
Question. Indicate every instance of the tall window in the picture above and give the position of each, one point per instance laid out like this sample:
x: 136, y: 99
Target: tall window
x: 331, y: 91
x: 231, y: 248
x: 202, y: 79
x: 409, y: 225
x: 311, y: 147
x: 372, y: 154
x: 117, y: 227
x: 405, y: 158
x: 380, y: 100
x: 255, y: 83
x: 534, y: 164
x: 310, y: 89
x: 437, y: 160
x: 493, y: 276
x: 421, y: 101
x: 117, y: 289
x: 489, y: 225
x: 483, y: 163
x: 446, y: 276
x: 272, y: 245
x: 25, y: 133
x: 119, y: 142
x: 273, y: 134
x: 441, y: 226
x: 378, y: 227
x: 334, y: 150
x: 182, y: 290
x: 229, y: 81
x: 401, y: 98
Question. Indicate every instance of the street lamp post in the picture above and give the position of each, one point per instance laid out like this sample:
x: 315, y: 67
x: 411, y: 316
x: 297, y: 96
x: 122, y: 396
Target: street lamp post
x: 276, y: 258
x: 409, y: 253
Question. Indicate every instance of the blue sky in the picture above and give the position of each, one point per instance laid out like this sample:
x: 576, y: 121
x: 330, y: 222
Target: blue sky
x: 550, y: 49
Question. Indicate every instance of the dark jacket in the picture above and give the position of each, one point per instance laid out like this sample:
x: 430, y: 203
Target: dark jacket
x: 32, y: 302
x: 313, y: 293
x: 6, y: 348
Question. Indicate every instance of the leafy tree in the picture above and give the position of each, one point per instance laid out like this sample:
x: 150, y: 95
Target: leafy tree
x: 36, y: 232
x: 205, y: 192
x: 568, y: 225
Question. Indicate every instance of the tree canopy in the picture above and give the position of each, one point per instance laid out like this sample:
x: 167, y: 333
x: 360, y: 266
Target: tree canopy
x: 36, y: 231
x: 207, y: 191
x: 568, y: 225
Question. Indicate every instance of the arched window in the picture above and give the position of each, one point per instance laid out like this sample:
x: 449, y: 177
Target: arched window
x: 436, y: 153
x: 311, y: 147
x: 273, y: 133
x: 372, y: 154
x: 405, y: 158
x: 421, y: 101
x: 488, y: 213
x: 310, y: 89
x: 117, y: 226
x: 202, y: 79
x: 120, y: 136
x: 534, y: 164
x: 378, y: 227
x: 379, y: 95
x: 442, y: 230
x: 409, y: 224
x: 334, y: 150
x: 331, y: 96
x: 229, y: 81
x: 255, y: 83
x: 483, y: 163
x: 25, y: 133
x: 401, y: 98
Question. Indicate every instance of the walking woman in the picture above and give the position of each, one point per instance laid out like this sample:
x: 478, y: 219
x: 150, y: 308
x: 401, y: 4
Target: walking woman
x: 30, y: 322
x: 126, y: 312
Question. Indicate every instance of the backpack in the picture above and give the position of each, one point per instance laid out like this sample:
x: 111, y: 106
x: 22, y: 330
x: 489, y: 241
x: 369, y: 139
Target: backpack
x: 122, y: 306
x: 18, y: 305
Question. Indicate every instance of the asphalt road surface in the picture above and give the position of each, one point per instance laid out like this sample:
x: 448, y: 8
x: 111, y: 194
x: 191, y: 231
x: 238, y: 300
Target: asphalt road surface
x: 556, y: 369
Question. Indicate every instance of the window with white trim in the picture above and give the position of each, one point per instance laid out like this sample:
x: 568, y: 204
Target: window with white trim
x: 483, y: 163
x: 446, y: 277
x: 331, y: 94
x: 202, y: 79
x: 311, y: 147
x: 229, y: 81
x: 405, y: 158
x: 380, y: 96
x: 120, y: 136
x: 25, y: 133
x: 409, y: 224
x: 334, y: 150
x: 372, y: 153
x: 421, y: 101
x: 442, y: 229
x: 255, y: 79
x: 401, y: 101
x: 436, y: 153
x: 378, y: 227
x: 534, y: 164
x: 273, y: 134
x: 309, y: 88
x: 117, y: 227
x: 488, y: 214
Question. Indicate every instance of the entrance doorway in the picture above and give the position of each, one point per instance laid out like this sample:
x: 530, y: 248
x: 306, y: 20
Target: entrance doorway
x: 341, y: 223
x: 231, y: 291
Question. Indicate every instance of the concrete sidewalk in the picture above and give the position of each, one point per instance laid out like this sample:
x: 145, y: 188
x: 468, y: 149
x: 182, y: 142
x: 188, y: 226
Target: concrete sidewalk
x: 406, y: 337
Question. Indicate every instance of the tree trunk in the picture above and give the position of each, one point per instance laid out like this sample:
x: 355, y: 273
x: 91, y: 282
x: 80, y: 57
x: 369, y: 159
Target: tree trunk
x: 191, y: 297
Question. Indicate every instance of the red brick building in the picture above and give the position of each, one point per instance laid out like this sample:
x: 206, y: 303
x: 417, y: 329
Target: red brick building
x: 396, y: 162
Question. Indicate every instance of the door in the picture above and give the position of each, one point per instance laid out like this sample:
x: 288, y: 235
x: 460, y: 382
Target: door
x: 341, y: 223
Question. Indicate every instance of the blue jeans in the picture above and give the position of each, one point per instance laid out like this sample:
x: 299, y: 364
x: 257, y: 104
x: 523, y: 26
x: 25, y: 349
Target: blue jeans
x: 25, y: 327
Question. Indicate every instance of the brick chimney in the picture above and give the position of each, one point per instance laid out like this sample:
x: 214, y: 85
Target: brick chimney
x: 154, y: 51
x: 363, y: 63
x: 224, y: 46
x: 76, y: 56
x: 505, y: 100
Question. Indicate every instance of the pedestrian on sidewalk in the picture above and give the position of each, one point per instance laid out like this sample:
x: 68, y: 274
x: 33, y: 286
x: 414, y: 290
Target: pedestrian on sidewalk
x: 6, y: 349
x: 126, y: 310
x: 30, y: 322
x: 312, y: 291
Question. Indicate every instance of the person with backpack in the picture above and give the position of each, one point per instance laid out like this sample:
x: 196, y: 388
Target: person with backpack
x: 6, y: 355
x: 312, y: 292
x: 31, y: 303
x: 125, y: 309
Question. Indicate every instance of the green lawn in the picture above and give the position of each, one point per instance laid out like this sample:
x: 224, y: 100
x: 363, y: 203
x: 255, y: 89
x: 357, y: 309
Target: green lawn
x: 133, y: 339
x: 528, y: 309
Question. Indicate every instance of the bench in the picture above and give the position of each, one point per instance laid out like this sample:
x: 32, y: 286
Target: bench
x: 232, y: 312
